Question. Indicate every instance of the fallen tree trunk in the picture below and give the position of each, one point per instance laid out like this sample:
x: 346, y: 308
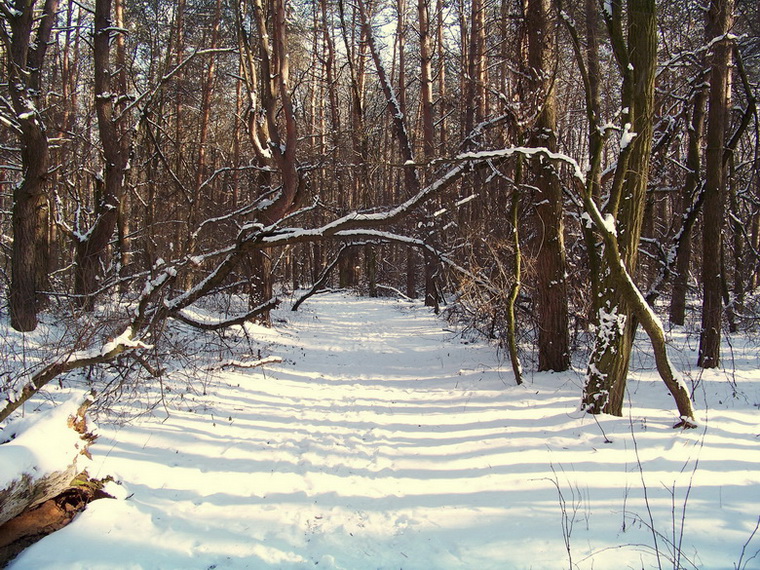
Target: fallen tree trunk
x: 32, y: 525
x: 43, y: 457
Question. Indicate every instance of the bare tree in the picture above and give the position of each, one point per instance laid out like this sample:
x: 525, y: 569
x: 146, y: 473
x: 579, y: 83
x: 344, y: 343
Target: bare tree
x: 692, y: 193
x: 719, y: 21
x: 636, y: 56
x: 274, y: 139
x: 553, y: 336
x: 115, y: 129
x: 26, y: 32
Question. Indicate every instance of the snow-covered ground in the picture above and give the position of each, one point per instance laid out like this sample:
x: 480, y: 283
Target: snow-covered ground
x: 384, y: 440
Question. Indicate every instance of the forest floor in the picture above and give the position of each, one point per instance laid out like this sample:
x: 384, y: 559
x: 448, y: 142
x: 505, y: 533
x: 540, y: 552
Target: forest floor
x: 384, y: 439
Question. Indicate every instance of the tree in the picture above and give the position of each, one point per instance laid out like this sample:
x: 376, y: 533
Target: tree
x: 26, y: 34
x: 115, y: 129
x: 553, y: 336
x: 221, y: 194
x: 274, y: 140
x: 616, y: 323
x: 719, y: 21
x: 692, y: 193
x: 432, y: 277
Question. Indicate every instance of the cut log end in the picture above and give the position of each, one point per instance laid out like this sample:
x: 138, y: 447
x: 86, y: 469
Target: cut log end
x: 34, y: 524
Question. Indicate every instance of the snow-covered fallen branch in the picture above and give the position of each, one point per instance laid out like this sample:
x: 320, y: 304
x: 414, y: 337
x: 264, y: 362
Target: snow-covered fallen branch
x: 218, y: 325
x: 232, y: 363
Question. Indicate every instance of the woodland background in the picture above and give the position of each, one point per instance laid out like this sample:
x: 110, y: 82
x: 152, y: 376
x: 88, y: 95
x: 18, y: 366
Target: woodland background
x: 545, y: 171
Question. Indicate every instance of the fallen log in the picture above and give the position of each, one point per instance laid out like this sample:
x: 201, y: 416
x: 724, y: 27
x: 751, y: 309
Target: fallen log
x: 43, y: 456
x: 22, y: 531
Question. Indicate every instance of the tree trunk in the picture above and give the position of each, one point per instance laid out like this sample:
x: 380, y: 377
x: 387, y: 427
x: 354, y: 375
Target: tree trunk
x: 616, y: 323
x: 207, y: 91
x: 91, y: 251
x: 31, y: 487
x: 275, y: 138
x: 683, y: 252
x: 28, y: 510
x: 29, y: 230
x: 432, y: 270
x: 593, y: 115
x: 25, y: 58
x: 551, y: 267
x: 514, y: 291
x: 719, y: 22
x: 426, y: 79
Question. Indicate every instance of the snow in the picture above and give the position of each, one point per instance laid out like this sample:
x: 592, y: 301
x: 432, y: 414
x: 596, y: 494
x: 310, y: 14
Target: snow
x: 627, y: 137
x: 39, y: 444
x: 124, y: 339
x: 526, y: 151
x: 609, y: 224
x: 465, y: 200
x: 385, y: 440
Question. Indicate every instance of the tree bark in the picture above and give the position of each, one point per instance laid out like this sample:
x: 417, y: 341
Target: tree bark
x: 207, y: 91
x: 25, y: 60
x: 616, y: 320
x: 551, y: 266
x: 36, y: 503
x: 426, y: 79
x: 719, y: 22
x: 31, y: 488
x: 275, y: 135
x: 432, y: 270
x: 683, y: 251
x: 91, y: 251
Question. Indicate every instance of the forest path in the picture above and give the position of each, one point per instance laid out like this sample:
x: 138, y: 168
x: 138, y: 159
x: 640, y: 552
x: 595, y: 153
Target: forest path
x: 384, y: 440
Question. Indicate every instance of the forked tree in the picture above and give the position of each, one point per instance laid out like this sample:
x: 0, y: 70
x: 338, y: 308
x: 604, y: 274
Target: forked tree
x: 271, y: 120
x: 619, y: 305
x: 111, y: 103
x: 26, y: 30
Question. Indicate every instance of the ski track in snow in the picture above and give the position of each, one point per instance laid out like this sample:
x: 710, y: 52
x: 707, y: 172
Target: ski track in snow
x: 385, y: 441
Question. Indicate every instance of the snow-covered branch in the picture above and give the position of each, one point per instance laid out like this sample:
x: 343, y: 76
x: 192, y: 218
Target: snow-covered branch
x: 109, y: 350
x: 215, y: 326
x: 244, y: 363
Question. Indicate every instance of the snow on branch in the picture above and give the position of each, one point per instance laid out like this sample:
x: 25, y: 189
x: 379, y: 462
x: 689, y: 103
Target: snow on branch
x: 126, y: 341
x: 154, y: 306
x: 357, y: 220
x: 485, y: 155
x: 215, y: 326
x: 231, y: 363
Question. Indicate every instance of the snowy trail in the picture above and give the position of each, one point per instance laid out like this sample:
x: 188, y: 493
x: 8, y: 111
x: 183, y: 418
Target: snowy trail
x: 385, y: 441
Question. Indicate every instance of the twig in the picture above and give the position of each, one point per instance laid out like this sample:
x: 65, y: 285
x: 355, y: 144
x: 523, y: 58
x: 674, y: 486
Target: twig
x: 738, y: 565
x: 242, y: 364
